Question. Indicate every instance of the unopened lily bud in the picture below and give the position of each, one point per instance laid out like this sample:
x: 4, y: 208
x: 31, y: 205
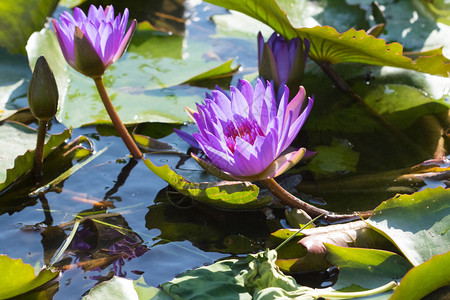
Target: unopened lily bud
x: 282, y: 61
x: 43, y: 91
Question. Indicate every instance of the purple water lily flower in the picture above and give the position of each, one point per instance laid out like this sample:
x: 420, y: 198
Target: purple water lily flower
x: 245, y: 134
x: 282, y: 61
x: 91, y: 43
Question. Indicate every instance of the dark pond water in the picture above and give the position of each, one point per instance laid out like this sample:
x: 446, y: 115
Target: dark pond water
x: 166, y: 237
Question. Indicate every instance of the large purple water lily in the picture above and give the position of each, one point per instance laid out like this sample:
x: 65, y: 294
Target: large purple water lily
x: 245, y: 134
x: 282, y: 61
x: 91, y: 43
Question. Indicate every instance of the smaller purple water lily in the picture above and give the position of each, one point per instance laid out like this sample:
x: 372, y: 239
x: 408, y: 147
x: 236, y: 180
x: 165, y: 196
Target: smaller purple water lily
x: 91, y: 43
x: 282, y: 61
x: 245, y: 134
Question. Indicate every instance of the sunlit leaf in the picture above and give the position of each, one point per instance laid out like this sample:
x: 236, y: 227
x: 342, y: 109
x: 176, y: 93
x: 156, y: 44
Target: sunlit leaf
x: 223, y: 194
x: 417, y: 224
x: 20, y: 18
x: 115, y: 288
x: 328, y: 45
x: 361, y: 269
x: 429, y: 276
x: 18, y: 278
x: 232, y: 279
x: 309, y: 252
x: 17, y: 156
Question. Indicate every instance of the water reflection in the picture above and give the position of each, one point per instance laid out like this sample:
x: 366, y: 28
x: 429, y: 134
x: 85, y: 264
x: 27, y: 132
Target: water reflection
x: 207, y: 228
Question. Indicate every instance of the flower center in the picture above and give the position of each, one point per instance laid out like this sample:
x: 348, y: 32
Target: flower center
x: 245, y: 128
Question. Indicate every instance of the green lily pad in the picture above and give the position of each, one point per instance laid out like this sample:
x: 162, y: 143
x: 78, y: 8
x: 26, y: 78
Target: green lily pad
x: 361, y: 269
x: 123, y: 288
x: 115, y: 288
x: 144, y: 85
x: 17, y: 157
x: 19, y: 19
x: 417, y: 224
x: 13, y: 82
x: 429, y: 275
x: 338, y: 157
x: 18, y: 278
x: 225, y: 194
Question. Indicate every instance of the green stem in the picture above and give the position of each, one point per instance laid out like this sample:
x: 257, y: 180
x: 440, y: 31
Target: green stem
x: 292, y: 201
x: 349, y: 295
x: 296, y: 233
x: 123, y: 132
x: 39, y: 152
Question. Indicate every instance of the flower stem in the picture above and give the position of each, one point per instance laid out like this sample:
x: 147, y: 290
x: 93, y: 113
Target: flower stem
x: 124, y: 134
x: 39, y: 152
x: 292, y: 201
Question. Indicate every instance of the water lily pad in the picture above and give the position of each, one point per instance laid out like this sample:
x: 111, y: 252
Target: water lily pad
x: 19, y: 19
x: 330, y: 160
x: 14, y: 79
x: 16, y: 155
x: 18, y: 278
x: 143, y: 85
x: 361, y: 269
x: 417, y: 224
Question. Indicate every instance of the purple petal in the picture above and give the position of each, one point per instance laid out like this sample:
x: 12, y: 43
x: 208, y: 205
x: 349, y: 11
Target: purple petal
x: 188, y: 138
x: 297, y: 102
x: 247, y: 90
x: 219, y: 158
x: 297, y: 125
x: 239, y: 104
x: 126, y: 41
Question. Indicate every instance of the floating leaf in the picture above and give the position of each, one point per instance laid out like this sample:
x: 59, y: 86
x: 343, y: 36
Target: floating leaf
x: 417, y: 224
x: 361, y: 269
x: 232, y: 279
x: 309, y: 253
x: 429, y: 276
x: 18, y: 278
x: 330, y: 160
x: 115, y: 288
x: 17, y: 158
x: 223, y: 194
x: 13, y: 82
x: 20, y: 18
